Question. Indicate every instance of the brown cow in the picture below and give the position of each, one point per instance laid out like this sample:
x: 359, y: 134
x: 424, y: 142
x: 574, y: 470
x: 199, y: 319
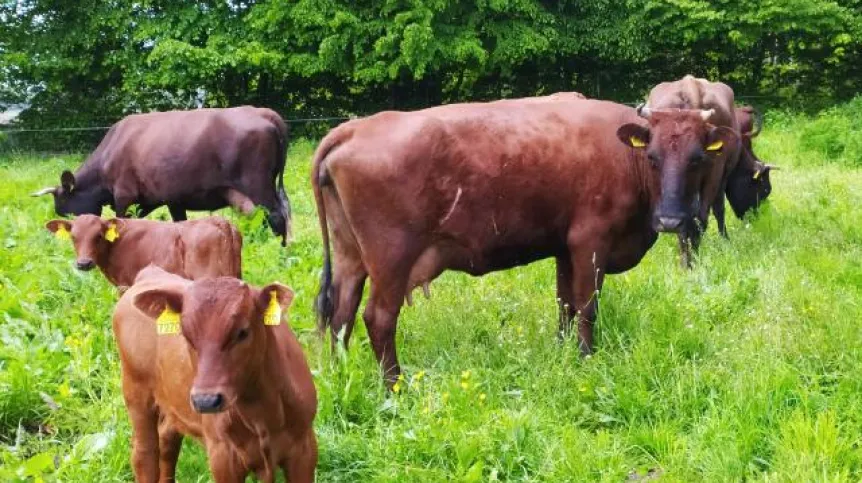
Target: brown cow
x: 211, y: 359
x: 203, y: 159
x: 478, y: 188
x: 206, y: 247
x: 694, y: 134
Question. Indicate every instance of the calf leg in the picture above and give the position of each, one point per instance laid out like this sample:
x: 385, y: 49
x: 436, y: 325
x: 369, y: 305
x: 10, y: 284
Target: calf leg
x: 170, y: 444
x: 178, y: 213
x: 145, y: 443
x: 718, y: 211
x: 225, y: 466
x: 348, y: 283
x: 302, y: 461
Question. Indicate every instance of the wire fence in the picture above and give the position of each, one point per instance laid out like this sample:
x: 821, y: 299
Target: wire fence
x: 55, y: 140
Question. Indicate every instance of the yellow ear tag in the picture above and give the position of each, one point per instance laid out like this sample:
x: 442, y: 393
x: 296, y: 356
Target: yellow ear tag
x: 112, y: 233
x: 715, y: 146
x: 637, y: 142
x: 272, y: 316
x: 168, y: 322
x: 62, y: 233
x: 756, y: 175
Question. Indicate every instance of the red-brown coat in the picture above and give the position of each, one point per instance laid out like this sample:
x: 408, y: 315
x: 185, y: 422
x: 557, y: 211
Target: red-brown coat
x: 206, y: 247
x: 204, y: 159
x: 221, y: 376
x: 478, y: 188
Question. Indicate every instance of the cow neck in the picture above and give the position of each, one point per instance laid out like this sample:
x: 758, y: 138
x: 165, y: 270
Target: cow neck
x: 88, y: 175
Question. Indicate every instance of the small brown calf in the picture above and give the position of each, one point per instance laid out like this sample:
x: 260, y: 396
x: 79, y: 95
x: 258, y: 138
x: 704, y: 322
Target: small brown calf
x: 211, y: 359
x: 206, y: 247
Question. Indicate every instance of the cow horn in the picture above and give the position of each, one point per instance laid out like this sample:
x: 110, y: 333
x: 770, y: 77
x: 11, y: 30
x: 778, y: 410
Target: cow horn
x: 706, y: 114
x: 45, y: 191
x: 771, y: 167
x: 643, y: 111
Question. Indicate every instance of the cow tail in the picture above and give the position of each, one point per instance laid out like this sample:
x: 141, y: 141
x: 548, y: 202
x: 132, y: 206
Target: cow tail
x: 324, y: 304
x: 283, y: 200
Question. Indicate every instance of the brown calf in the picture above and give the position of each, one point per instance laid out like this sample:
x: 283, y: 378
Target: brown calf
x: 212, y: 360
x: 206, y: 247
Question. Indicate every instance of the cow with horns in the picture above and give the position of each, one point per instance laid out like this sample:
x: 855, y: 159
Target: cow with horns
x: 692, y: 126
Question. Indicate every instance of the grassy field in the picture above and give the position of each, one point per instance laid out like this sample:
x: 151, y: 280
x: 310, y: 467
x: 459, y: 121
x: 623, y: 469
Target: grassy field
x: 745, y: 368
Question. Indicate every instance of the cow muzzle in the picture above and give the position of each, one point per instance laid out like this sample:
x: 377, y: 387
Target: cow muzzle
x: 85, y: 264
x: 668, y: 223
x: 207, y: 402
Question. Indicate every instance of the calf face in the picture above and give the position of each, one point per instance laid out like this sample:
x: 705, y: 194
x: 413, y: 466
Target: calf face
x: 91, y: 235
x: 683, y: 148
x: 223, y: 319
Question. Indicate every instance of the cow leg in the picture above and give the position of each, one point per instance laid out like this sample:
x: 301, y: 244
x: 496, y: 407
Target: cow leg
x: 588, y: 274
x: 170, y: 444
x: 718, y: 211
x: 239, y: 201
x: 348, y: 282
x: 565, y: 294
x: 178, y: 213
x: 381, y: 319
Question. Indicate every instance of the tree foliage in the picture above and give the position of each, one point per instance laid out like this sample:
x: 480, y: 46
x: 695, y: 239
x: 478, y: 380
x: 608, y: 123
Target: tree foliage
x: 92, y: 61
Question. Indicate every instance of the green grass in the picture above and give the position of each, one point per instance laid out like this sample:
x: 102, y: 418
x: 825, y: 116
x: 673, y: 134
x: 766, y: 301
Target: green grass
x: 745, y: 368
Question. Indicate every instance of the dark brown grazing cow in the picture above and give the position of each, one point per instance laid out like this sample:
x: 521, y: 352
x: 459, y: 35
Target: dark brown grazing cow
x: 693, y: 131
x: 203, y: 159
x: 479, y: 188
x: 748, y: 185
x: 211, y: 359
x: 206, y: 247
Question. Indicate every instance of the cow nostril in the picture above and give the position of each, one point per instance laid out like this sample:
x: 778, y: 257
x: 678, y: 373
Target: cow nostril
x: 207, y: 403
x: 85, y: 264
x: 668, y: 223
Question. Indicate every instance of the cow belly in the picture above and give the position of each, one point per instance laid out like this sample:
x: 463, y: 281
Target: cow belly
x: 629, y: 251
x: 206, y: 201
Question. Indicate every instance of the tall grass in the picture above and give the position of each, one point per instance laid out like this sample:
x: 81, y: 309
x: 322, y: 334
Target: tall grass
x: 745, y: 368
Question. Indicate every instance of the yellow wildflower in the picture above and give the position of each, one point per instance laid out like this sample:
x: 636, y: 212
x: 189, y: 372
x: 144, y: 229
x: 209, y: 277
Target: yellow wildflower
x: 419, y: 375
x: 445, y: 397
x: 482, y: 397
x: 465, y: 385
x: 465, y: 375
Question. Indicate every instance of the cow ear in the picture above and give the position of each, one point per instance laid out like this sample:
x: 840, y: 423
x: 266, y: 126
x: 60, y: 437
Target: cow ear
x: 67, y: 180
x: 720, y: 139
x: 275, y: 298
x: 158, y: 302
x: 634, y: 135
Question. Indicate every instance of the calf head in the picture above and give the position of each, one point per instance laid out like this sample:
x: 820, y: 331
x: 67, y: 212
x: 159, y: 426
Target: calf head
x: 682, y: 147
x: 71, y: 200
x: 91, y: 235
x: 224, y: 322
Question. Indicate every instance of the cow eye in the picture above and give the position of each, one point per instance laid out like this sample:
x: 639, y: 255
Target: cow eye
x: 241, y: 335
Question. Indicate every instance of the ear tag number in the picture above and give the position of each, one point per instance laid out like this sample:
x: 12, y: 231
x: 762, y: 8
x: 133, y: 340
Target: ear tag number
x: 112, y: 233
x: 272, y: 316
x: 62, y: 233
x: 715, y: 146
x: 637, y: 142
x: 168, y: 322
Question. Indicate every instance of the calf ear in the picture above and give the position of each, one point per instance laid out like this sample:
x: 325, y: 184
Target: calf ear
x: 275, y: 298
x: 55, y: 225
x: 60, y: 228
x: 720, y: 140
x: 155, y: 302
x: 634, y: 135
x: 111, y: 229
x: 67, y: 180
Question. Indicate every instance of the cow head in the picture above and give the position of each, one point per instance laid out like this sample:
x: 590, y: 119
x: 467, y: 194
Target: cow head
x: 70, y: 199
x: 682, y: 147
x: 91, y: 235
x: 748, y: 185
x: 223, y: 320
